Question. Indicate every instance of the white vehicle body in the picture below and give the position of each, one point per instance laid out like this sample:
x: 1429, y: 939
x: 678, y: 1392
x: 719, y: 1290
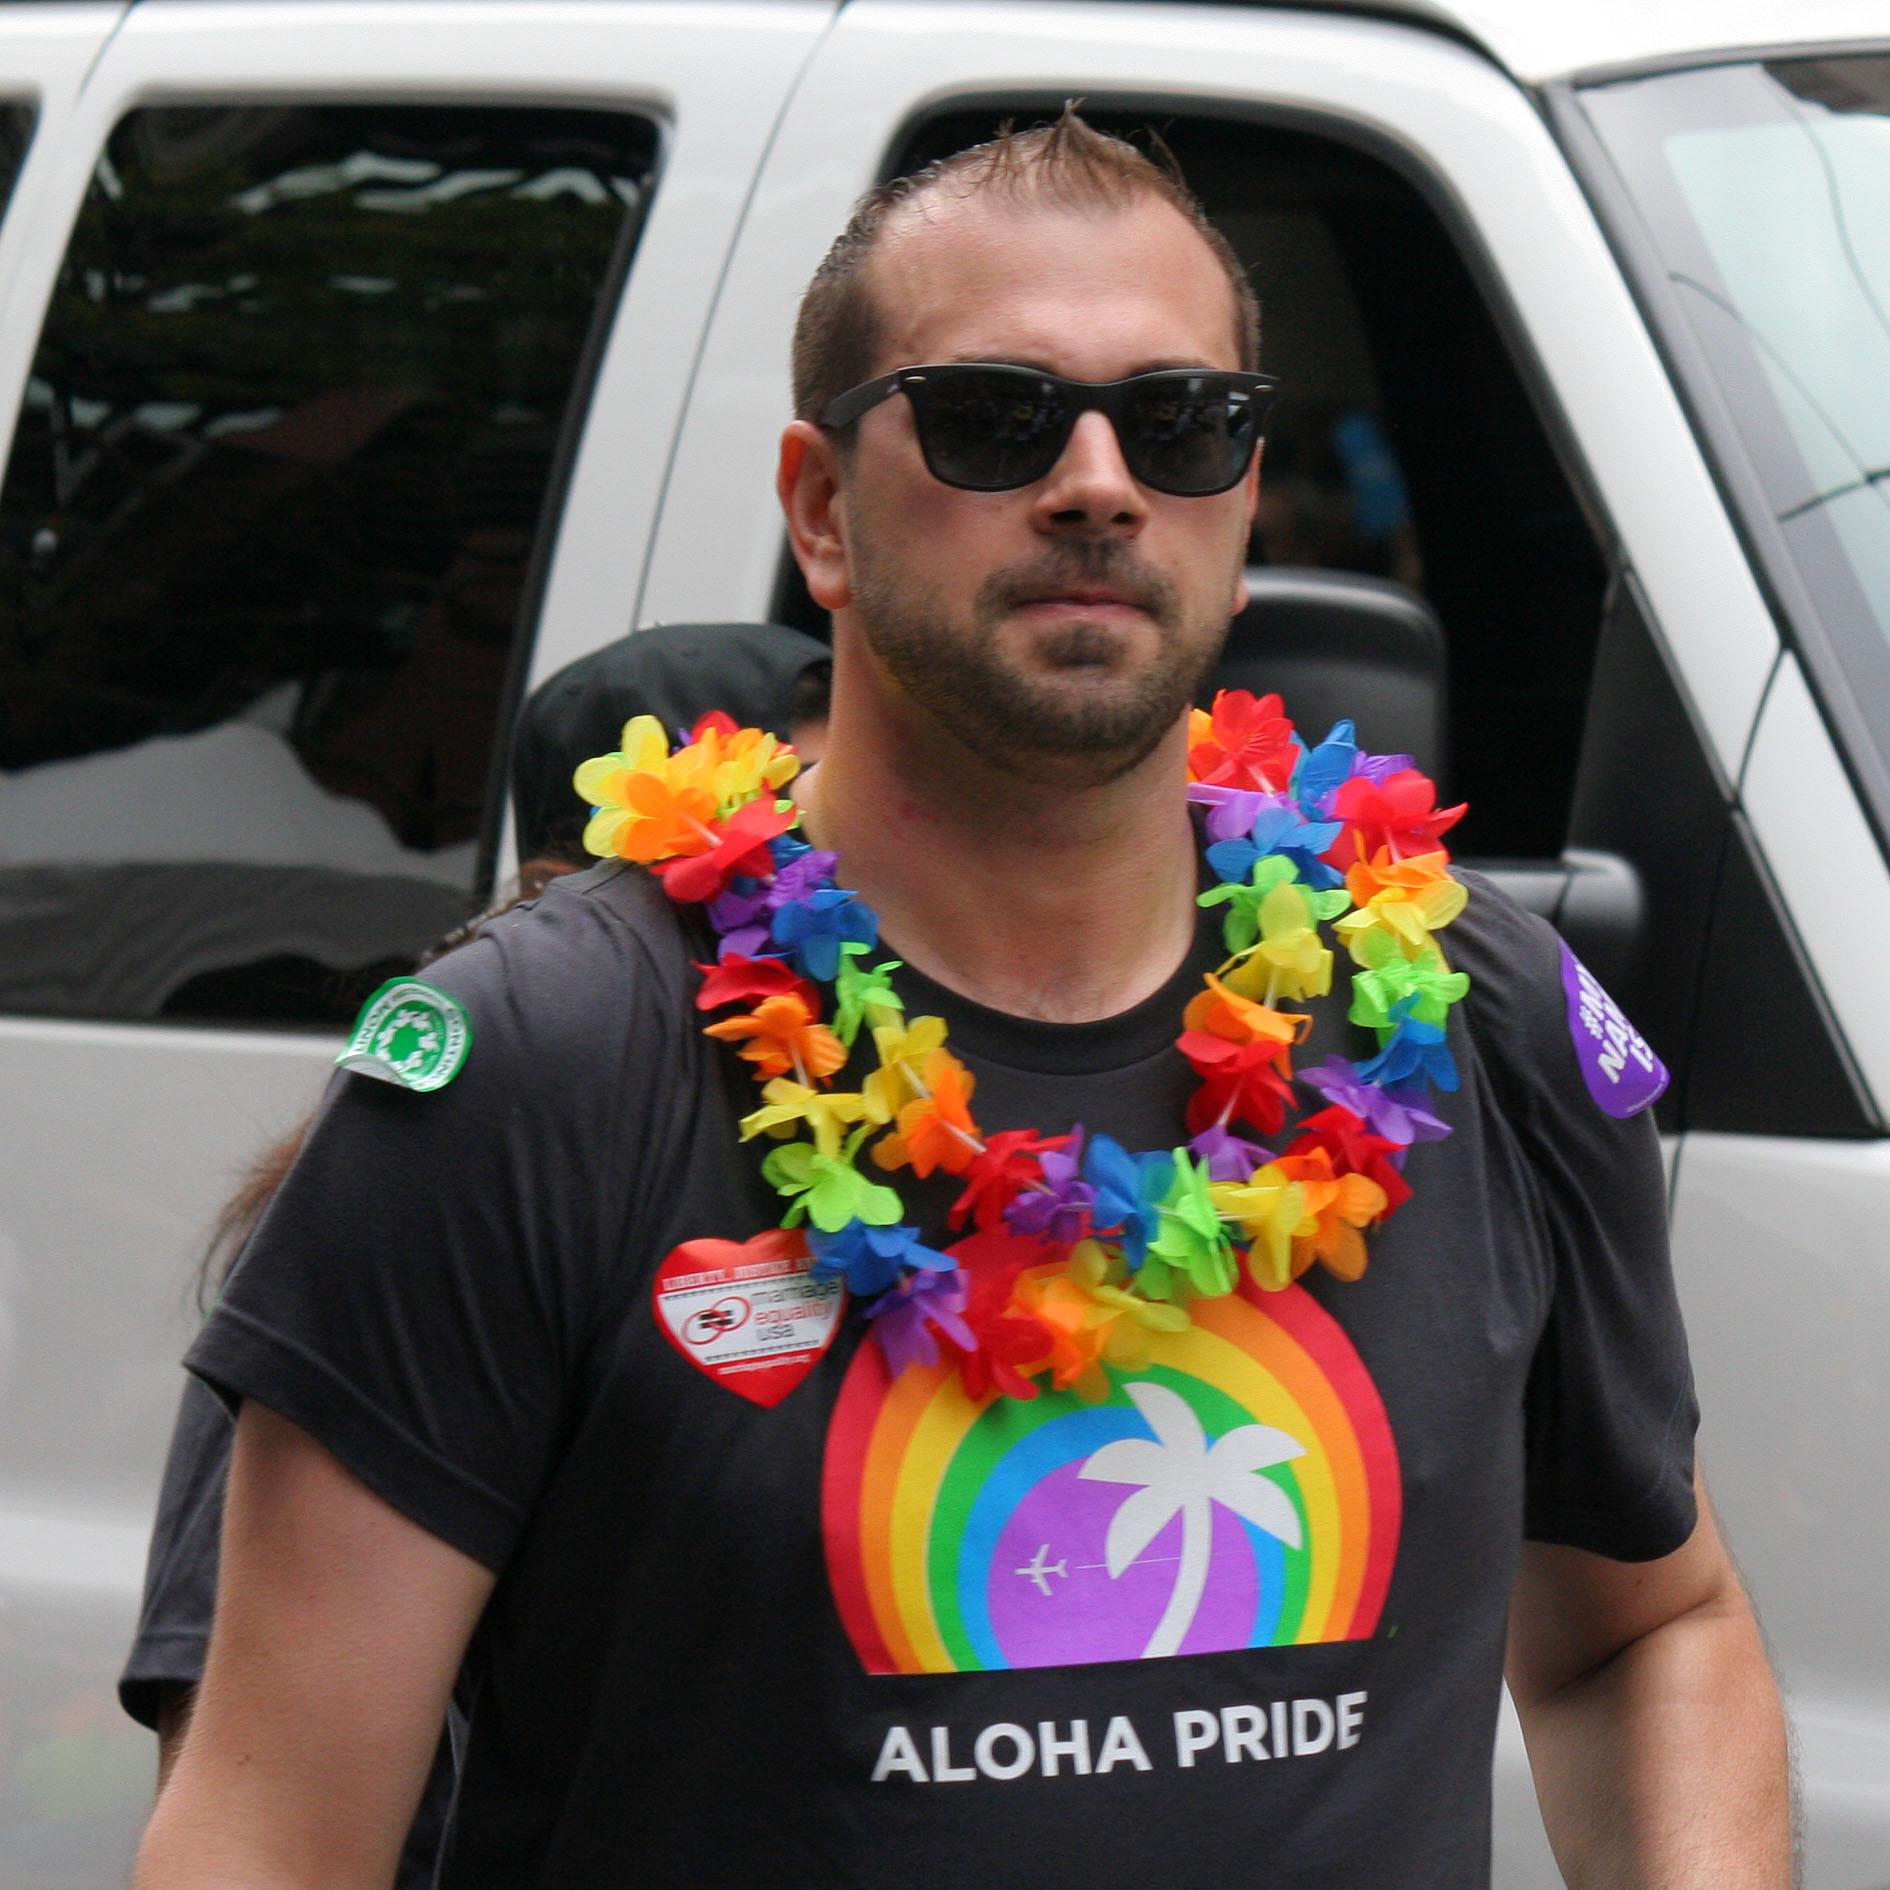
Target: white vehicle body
x: 119, y: 1138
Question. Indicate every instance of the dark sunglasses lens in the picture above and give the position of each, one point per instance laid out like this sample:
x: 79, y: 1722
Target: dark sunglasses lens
x: 987, y: 431
x: 1188, y: 434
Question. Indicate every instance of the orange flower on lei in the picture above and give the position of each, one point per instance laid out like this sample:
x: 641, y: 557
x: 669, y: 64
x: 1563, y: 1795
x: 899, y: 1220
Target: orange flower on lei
x: 1409, y: 899
x: 652, y: 805
x: 936, y: 1130
x: 1340, y: 1205
x: 782, y: 1035
x: 1091, y: 1322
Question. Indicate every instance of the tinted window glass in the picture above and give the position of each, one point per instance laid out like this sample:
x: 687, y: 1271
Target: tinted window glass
x: 283, y: 464
x: 1767, y: 191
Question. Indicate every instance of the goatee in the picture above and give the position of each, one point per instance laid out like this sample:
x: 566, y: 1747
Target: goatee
x: 1115, y: 707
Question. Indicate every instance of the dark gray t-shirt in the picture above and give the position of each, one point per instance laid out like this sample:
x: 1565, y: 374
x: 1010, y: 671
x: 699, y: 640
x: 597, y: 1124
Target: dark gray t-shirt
x: 884, y: 1633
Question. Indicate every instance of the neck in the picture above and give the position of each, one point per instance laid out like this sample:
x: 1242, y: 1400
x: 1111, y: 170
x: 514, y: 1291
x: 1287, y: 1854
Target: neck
x: 1058, y: 901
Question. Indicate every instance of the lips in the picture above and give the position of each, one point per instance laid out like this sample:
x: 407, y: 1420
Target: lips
x: 1089, y: 599
x: 1101, y: 576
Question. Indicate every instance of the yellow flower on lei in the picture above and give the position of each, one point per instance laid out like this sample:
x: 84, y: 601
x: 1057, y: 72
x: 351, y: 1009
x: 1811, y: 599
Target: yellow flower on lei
x: 1407, y: 899
x: 900, y: 1078
x: 1094, y: 1322
x: 652, y: 805
x: 1271, y: 1211
x: 1291, y: 960
x: 828, y: 1114
x: 733, y: 768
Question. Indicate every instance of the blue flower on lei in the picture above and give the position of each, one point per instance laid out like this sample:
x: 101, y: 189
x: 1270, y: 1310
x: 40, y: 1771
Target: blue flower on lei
x: 1280, y: 830
x: 871, y: 1260
x: 1322, y: 770
x: 814, y: 928
x: 1413, y: 1052
x: 744, y: 914
x: 1130, y: 1190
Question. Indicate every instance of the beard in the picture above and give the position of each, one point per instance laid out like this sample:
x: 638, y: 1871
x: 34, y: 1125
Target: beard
x: 1088, y: 709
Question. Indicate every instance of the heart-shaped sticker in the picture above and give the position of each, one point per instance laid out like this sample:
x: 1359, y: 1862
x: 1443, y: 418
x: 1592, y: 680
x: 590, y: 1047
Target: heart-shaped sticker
x: 745, y: 1313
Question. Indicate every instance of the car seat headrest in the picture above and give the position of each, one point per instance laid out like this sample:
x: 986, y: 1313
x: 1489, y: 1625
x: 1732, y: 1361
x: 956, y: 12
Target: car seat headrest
x: 1332, y: 644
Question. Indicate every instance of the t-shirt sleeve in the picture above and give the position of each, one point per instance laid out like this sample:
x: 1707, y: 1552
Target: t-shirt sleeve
x: 1609, y: 1412
x: 420, y: 1293
x: 180, y: 1577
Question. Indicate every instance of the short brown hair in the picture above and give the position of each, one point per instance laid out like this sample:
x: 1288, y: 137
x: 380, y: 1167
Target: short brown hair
x: 1069, y: 163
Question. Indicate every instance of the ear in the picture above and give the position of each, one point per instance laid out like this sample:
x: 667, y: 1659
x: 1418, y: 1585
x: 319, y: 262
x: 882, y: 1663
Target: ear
x: 808, y: 483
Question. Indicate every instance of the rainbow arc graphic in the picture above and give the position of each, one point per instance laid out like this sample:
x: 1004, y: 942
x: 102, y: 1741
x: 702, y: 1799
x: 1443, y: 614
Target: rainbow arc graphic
x: 1240, y: 1490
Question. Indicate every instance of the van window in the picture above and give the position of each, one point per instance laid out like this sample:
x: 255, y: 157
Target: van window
x: 1766, y: 189
x: 287, y: 459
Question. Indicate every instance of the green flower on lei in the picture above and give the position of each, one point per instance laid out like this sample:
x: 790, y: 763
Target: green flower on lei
x: 827, y: 1189
x: 1192, y: 1254
x: 1388, y: 977
x: 1242, y: 928
x: 859, y: 989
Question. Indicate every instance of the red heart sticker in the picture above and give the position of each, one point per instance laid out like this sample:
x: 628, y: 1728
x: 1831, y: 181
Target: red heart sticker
x: 746, y: 1314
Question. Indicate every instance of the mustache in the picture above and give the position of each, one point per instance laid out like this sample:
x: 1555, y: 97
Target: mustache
x: 1075, y: 564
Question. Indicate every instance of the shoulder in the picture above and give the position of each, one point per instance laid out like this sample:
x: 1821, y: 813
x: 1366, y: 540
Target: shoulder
x: 582, y: 986
x: 1516, y: 1008
x: 1542, y: 1023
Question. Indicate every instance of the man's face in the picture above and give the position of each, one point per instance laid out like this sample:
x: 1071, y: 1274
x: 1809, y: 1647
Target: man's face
x: 1062, y: 627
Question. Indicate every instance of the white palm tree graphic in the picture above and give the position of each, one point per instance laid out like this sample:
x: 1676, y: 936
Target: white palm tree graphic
x: 1180, y: 1471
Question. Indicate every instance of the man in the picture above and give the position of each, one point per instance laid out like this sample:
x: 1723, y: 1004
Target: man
x: 868, y: 1629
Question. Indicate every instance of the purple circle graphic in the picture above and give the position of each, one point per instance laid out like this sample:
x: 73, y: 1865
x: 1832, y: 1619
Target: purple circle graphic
x: 1054, y: 1603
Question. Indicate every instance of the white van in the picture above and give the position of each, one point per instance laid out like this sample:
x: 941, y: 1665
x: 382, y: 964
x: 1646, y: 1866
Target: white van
x: 364, y: 361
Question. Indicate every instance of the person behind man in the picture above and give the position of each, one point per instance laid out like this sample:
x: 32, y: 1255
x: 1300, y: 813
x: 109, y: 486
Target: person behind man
x: 903, y: 1605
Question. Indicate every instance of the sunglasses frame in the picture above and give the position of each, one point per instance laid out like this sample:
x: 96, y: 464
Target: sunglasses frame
x: 1108, y: 398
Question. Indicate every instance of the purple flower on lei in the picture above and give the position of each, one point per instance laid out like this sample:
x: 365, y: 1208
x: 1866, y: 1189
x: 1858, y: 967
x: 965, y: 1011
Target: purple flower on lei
x: 1378, y: 769
x: 1229, y: 1157
x: 1059, y: 1210
x: 1400, y: 1115
x: 903, y: 1318
x: 1232, y: 811
x: 746, y: 919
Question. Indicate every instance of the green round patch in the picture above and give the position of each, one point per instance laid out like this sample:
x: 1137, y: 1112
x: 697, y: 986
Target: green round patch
x: 411, y: 1034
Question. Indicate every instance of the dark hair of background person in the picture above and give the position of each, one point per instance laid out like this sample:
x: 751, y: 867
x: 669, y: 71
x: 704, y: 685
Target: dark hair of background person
x: 1069, y: 164
x: 763, y: 674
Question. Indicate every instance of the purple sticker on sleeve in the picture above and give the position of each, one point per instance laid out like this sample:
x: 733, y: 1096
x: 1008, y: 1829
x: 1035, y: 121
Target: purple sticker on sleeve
x: 1622, y: 1073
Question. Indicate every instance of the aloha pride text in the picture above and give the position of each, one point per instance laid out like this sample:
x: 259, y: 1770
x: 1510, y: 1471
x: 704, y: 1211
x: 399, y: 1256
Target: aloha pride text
x: 1231, y: 1735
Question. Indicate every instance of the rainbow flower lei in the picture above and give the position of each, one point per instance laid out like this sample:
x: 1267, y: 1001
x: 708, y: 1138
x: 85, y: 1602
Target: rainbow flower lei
x: 1078, y: 1251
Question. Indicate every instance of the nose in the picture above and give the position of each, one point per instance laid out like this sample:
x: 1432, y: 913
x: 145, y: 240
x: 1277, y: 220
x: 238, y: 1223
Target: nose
x: 1090, y: 490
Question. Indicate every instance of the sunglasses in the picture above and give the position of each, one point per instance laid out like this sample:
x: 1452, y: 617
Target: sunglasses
x: 987, y: 427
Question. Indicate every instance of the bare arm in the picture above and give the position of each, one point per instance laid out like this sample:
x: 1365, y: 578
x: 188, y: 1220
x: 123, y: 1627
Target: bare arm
x: 1654, y: 1726
x: 339, y: 1629
x: 175, y: 1699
